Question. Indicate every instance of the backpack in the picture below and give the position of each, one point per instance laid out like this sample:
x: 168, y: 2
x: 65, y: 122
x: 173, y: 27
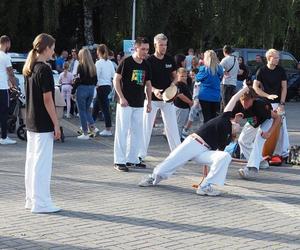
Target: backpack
x: 294, y: 155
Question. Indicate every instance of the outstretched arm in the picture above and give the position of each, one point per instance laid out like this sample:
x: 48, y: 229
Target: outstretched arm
x: 235, y: 98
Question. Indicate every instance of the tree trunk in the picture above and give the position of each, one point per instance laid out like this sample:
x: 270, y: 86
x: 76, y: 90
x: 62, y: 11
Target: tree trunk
x: 88, y: 23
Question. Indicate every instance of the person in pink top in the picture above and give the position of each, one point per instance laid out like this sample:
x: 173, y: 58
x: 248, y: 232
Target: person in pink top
x: 66, y: 81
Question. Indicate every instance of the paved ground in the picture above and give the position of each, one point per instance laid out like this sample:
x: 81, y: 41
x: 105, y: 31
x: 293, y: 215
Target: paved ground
x: 105, y: 209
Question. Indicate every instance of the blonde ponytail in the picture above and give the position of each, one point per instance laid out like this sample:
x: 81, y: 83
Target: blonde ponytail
x: 30, y: 61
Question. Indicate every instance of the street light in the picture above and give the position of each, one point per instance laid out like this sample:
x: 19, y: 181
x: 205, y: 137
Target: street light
x: 133, y: 20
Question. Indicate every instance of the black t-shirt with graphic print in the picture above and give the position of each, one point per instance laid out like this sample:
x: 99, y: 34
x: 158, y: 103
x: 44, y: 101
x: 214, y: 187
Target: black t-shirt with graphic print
x: 40, y: 82
x: 217, y: 132
x: 271, y: 80
x: 134, y: 77
x: 257, y: 113
x: 183, y: 88
x: 161, y: 72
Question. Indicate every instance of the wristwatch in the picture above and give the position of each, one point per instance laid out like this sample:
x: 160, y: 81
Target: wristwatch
x: 282, y: 103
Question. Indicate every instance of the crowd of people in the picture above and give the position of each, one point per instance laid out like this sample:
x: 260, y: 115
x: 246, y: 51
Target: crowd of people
x: 182, y: 88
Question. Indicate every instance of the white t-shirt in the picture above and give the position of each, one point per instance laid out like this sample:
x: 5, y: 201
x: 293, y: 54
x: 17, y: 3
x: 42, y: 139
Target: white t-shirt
x: 5, y: 62
x: 105, y: 72
x: 188, y: 62
x: 75, y: 66
x: 65, y: 79
x: 230, y: 77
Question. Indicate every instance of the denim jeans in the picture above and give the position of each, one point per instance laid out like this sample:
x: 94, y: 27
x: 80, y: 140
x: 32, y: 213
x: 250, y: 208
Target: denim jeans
x: 84, y: 96
x: 103, y: 102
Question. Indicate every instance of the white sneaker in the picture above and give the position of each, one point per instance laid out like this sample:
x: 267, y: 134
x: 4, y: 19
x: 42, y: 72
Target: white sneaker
x: 83, y: 137
x: 248, y: 173
x: 208, y: 190
x: 147, y: 181
x: 185, y: 132
x: 105, y: 133
x: 41, y: 210
x: 7, y: 141
x: 264, y: 165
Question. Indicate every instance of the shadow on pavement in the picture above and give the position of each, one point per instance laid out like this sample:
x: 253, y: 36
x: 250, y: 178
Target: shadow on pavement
x: 182, y: 227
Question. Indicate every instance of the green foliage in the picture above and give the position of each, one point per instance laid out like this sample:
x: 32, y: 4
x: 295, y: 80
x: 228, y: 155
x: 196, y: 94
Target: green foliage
x: 200, y: 24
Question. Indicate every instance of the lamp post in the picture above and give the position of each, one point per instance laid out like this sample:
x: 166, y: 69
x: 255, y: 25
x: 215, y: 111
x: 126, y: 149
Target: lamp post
x: 133, y: 20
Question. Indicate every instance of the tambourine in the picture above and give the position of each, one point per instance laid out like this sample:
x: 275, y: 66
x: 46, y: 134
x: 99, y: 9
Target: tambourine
x: 170, y: 93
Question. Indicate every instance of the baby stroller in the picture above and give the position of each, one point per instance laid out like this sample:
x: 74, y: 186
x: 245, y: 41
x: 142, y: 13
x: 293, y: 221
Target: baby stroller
x: 15, y: 114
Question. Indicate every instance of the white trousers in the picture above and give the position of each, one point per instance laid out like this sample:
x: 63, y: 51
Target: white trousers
x: 251, y: 142
x: 38, y: 168
x: 169, y: 118
x: 191, y: 149
x: 283, y: 143
x: 128, y: 134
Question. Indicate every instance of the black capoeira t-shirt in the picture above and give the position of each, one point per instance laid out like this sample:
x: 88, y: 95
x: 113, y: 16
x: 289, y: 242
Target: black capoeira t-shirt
x: 134, y: 77
x: 271, y: 80
x: 217, y: 131
x: 40, y: 82
x: 161, y: 72
x: 257, y: 113
x: 183, y: 88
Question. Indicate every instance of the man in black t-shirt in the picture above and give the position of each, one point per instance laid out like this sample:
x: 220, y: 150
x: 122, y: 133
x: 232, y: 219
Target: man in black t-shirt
x: 163, y: 73
x: 132, y: 76
x: 271, y: 83
x: 261, y: 122
x: 205, y: 147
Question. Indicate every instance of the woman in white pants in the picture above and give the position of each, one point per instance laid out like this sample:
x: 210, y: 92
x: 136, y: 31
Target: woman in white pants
x: 41, y: 121
x: 203, y: 147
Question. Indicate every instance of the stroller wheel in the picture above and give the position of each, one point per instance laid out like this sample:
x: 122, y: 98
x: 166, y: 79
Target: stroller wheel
x: 21, y: 132
x: 11, y: 125
x: 62, y: 136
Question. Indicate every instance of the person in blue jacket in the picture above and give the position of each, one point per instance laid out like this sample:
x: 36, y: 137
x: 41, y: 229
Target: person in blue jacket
x: 210, y: 76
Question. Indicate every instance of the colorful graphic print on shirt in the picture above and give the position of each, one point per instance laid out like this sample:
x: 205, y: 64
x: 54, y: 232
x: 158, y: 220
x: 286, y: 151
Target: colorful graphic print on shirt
x: 138, y: 76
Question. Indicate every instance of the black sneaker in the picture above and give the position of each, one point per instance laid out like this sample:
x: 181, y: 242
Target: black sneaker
x: 136, y: 165
x: 121, y: 167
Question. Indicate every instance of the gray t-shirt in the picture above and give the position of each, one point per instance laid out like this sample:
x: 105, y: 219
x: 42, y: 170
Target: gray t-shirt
x: 230, y: 77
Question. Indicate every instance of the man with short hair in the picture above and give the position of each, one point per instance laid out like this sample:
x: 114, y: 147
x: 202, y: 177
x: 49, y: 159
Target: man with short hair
x: 74, y: 62
x: 231, y: 69
x: 133, y: 75
x: 61, y: 60
x: 261, y: 123
x: 163, y: 74
x: 205, y: 146
x: 271, y: 83
x: 7, y: 80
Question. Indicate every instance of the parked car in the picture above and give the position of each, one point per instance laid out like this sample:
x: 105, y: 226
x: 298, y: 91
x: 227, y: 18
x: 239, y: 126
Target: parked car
x: 287, y: 61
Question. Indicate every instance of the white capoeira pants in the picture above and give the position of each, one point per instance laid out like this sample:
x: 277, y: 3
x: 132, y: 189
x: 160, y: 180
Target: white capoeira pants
x: 251, y: 142
x: 168, y: 113
x: 283, y: 143
x: 191, y: 149
x: 128, y: 134
x: 38, y: 168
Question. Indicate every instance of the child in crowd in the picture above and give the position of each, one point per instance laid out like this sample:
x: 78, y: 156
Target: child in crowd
x: 66, y: 81
x: 183, y: 100
x: 196, y: 108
